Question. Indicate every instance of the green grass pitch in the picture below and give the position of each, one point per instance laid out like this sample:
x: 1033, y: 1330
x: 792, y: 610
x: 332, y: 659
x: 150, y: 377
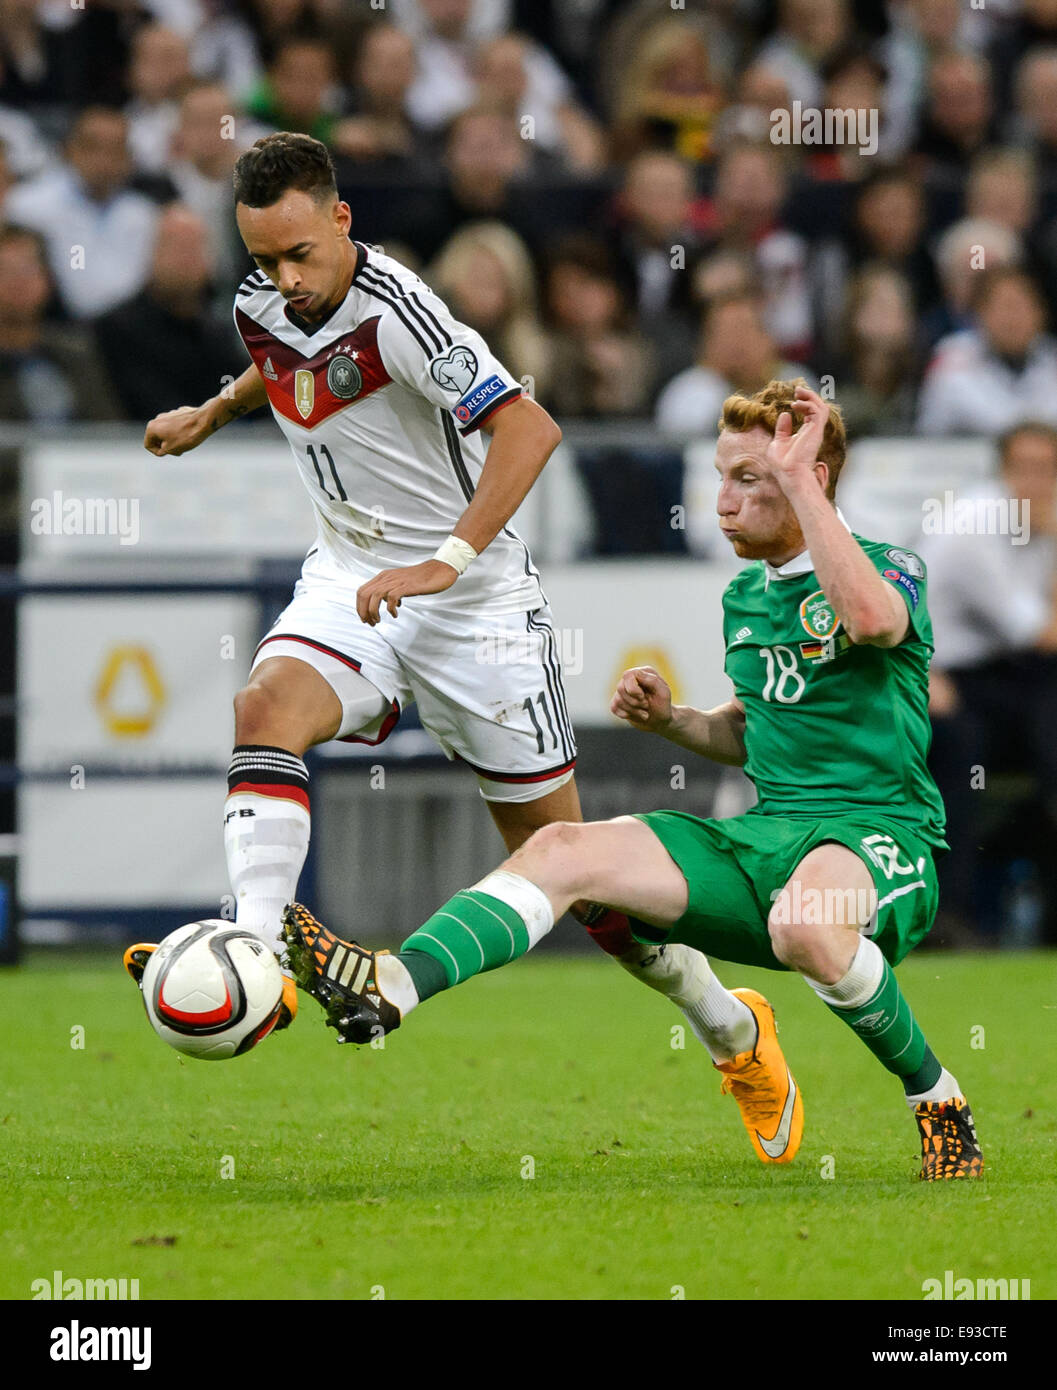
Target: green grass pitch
x: 533, y: 1134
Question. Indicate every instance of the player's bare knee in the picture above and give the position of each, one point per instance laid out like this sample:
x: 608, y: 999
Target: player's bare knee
x: 558, y: 834
x: 255, y: 709
x: 558, y: 837
x: 795, y: 944
x: 556, y: 849
x: 811, y: 949
x: 261, y: 716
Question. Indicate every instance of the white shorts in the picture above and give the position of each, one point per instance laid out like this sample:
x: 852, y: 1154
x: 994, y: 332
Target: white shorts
x: 488, y: 689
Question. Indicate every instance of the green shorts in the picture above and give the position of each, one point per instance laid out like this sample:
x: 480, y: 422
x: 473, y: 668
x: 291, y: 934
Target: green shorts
x: 735, y: 870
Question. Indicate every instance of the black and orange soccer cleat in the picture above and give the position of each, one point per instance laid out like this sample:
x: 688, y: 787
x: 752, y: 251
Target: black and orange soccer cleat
x: 949, y: 1146
x: 772, y: 1108
x: 136, y: 957
x: 340, y: 975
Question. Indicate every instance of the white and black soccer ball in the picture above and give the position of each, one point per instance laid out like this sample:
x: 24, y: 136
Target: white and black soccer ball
x: 212, y: 990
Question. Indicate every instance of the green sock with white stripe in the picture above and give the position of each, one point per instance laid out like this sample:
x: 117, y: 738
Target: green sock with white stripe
x: 868, y: 999
x: 481, y: 928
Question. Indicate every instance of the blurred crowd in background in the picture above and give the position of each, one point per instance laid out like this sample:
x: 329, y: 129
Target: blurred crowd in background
x: 607, y: 191
x: 600, y: 186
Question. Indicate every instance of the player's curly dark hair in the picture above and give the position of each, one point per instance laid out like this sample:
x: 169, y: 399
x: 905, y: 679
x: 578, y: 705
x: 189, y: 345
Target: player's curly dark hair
x: 277, y: 163
x: 743, y: 413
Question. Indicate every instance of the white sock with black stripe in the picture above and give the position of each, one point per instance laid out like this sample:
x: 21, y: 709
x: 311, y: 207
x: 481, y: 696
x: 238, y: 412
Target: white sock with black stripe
x: 267, y: 824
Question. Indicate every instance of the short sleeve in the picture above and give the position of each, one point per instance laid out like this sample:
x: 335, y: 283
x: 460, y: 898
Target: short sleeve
x: 427, y: 350
x: 906, y: 573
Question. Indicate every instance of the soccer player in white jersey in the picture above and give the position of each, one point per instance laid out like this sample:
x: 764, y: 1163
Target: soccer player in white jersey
x: 416, y: 588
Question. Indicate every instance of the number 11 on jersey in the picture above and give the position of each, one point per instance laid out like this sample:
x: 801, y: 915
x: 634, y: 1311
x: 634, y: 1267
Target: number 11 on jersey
x: 329, y: 458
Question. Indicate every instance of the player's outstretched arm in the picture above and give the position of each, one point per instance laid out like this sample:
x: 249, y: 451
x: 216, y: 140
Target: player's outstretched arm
x: 177, y: 431
x: 644, y: 700
x: 523, y: 438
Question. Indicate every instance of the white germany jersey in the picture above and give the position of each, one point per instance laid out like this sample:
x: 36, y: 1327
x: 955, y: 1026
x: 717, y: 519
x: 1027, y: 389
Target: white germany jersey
x: 381, y: 404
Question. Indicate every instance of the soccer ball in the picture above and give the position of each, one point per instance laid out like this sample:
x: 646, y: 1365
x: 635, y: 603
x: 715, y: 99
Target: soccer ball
x: 212, y: 990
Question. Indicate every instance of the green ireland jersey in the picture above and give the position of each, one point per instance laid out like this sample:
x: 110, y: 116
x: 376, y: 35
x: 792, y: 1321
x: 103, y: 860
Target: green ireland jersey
x: 831, y: 727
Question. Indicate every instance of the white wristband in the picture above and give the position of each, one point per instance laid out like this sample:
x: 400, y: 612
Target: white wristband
x: 457, y: 553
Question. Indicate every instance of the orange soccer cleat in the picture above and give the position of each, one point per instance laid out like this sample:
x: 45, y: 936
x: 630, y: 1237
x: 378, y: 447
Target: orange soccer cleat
x: 288, y: 1004
x: 136, y: 957
x: 772, y: 1109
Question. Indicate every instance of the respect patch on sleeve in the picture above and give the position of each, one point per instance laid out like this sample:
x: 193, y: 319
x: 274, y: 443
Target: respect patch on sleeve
x: 478, y: 398
x: 905, y: 582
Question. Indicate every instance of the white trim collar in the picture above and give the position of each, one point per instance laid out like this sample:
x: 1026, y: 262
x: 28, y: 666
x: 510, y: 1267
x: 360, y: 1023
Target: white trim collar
x: 799, y: 564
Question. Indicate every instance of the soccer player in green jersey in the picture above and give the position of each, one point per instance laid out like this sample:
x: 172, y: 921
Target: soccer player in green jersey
x: 830, y: 874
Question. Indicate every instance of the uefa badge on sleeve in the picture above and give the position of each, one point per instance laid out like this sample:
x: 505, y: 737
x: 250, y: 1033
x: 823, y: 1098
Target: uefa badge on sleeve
x: 456, y: 371
x: 905, y: 561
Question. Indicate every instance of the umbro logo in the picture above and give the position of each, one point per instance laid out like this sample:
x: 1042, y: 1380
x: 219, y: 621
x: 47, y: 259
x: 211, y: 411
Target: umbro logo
x: 870, y: 1021
x: 742, y: 633
x: 269, y: 371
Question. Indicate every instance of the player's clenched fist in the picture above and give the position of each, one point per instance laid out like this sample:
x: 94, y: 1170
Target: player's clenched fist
x: 643, y: 698
x: 176, y: 431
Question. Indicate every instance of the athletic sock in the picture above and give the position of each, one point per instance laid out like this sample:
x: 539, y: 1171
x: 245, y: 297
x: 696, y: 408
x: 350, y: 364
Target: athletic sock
x: 402, y: 988
x: 870, y: 1002
x: 946, y: 1088
x: 721, y: 1022
x: 267, y: 823
x: 481, y: 928
x: 608, y: 929
x: 427, y: 975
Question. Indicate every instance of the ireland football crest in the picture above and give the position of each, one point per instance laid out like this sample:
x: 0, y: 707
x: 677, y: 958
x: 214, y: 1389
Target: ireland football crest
x: 817, y: 616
